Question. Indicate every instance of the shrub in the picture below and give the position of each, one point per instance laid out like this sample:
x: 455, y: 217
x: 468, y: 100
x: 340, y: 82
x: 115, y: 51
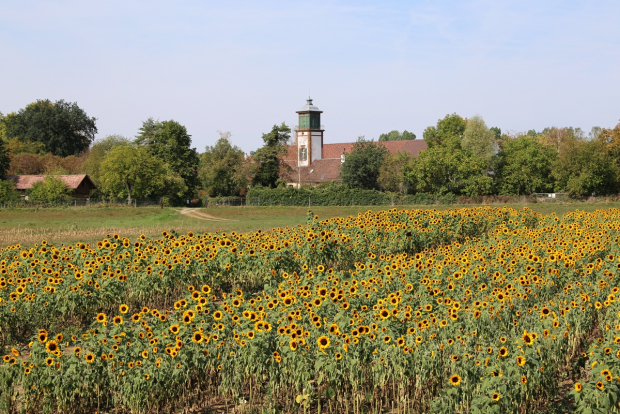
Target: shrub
x: 50, y: 190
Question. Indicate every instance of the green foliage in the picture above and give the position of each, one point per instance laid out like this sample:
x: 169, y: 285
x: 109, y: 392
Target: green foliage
x: 448, y: 132
x: 98, y: 151
x: 62, y: 127
x: 269, y: 158
x: 524, y: 166
x: 362, y: 165
x: 391, y: 176
x: 8, y: 194
x: 222, y: 171
x: 479, y: 139
x: 397, y: 136
x: 5, y: 161
x: 170, y: 142
x: 50, y: 190
x: 584, y: 168
x: 336, y: 194
x: 497, y: 132
x: 445, y: 170
x: 130, y: 171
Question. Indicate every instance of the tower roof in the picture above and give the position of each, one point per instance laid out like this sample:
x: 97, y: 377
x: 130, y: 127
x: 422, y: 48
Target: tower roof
x: 309, y: 107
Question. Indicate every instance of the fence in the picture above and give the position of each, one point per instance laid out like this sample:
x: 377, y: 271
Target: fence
x: 85, y: 202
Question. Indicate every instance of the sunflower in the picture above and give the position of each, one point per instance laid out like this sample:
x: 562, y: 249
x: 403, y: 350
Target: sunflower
x: 101, y: 317
x: 117, y: 320
x: 455, y: 380
x: 123, y: 308
x: 523, y: 380
x: 578, y: 387
x: 49, y: 361
x: 521, y: 360
x: 197, y: 337
x: 600, y: 385
x: 51, y: 346
x: 90, y: 358
x: 293, y: 345
x: 495, y: 396
x: 503, y: 352
x: 323, y: 342
x: 217, y: 315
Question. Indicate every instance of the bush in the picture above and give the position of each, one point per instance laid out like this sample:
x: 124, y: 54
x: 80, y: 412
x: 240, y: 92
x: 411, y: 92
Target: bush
x: 8, y: 194
x: 50, y: 190
x: 338, y: 195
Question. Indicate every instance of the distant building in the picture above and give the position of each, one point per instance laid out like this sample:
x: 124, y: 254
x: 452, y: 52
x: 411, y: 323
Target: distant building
x: 79, y: 184
x: 313, y: 162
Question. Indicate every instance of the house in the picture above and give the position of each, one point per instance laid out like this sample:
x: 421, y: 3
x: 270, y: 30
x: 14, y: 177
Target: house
x: 313, y: 162
x: 79, y: 184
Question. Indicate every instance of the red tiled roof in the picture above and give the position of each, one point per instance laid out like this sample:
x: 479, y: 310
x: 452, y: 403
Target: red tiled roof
x: 334, y: 151
x: 411, y: 147
x: 318, y: 171
x: 25, y: 182
x: 328, y: 168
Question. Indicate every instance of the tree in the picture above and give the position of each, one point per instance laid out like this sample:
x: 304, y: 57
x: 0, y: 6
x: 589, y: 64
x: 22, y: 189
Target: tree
x: 27, y: 164
x: 50, y: 190
x: 4, y: 159
x: 610, y: 139
x: 448, y: 132
x: 391, y: 176
x: 170, y: 142
x: 133, y: 172
x: 97, y: 152
x: 479, y: 139
x: 270, y: 165
x: 222, y: 171
x: 361, y: 166
x: 524, y: 166
x: 62, y: 127
x: 397, y: 136
x: 497, y: 132
x: 585, y: 167
x: 446, y: 170
x: 8, y: 194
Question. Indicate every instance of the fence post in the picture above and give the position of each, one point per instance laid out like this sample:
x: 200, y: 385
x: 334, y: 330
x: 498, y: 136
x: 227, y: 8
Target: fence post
x: 308, y: 201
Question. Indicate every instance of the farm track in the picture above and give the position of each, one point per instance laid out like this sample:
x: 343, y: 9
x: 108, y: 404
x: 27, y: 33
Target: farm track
x: 201, y: 215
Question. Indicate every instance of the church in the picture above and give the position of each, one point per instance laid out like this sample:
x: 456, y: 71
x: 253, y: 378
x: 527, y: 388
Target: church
x: 312, y: 162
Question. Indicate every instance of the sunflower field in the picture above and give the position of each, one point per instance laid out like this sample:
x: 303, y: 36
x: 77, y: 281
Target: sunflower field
x: 475, y: 310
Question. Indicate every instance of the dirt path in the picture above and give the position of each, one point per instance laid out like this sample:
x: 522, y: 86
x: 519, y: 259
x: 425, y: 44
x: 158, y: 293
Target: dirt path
x: 201, y: 215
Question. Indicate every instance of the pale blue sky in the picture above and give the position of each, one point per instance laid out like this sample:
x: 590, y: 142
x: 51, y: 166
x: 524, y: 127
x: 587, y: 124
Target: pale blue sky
x: 371, y: 66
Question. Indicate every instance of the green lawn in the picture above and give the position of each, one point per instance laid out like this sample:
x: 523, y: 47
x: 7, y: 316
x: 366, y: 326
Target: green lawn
x: 27, y: 226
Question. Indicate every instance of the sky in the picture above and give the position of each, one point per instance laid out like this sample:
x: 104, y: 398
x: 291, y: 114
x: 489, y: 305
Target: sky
x: 370, y: 66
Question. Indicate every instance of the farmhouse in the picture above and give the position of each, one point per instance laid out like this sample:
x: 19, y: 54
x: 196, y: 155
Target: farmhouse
x: 313, y: 162
x: 79, y: 184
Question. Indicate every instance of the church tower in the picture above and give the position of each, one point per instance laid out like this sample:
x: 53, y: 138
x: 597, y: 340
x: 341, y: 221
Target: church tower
x: 309, y: 134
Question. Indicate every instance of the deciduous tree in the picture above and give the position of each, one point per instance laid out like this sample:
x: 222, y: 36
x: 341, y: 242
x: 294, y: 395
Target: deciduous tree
x: 448, y: 132
x: 361, y: 166
x: 270, y: 165
x: 524, y: 166
x: 133, y: 172
x: 222, y: 169
x: 170, y: 142
x: 62, y: 127
x: 397, y: 136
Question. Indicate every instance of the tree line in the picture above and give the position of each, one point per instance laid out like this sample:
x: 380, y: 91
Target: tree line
x: 464, y: 157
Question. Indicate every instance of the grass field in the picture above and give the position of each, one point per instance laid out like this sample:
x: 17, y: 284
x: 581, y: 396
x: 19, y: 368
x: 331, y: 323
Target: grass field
x: 27, y: 226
